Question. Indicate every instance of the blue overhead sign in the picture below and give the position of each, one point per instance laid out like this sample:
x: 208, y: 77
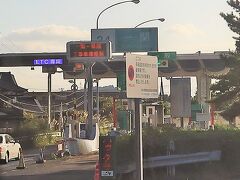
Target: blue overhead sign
x: 128, y: 39
x: 39, y: 62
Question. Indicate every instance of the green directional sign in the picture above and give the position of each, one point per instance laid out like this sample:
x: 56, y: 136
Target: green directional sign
x: 128, y: 39
x: 162, y: 56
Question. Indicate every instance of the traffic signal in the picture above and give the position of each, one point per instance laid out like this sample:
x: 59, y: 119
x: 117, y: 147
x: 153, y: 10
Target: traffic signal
x: 78, y: 67
x: 49, y: 69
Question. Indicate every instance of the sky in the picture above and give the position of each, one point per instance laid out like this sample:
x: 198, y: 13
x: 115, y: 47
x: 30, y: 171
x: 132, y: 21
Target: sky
x: 47, y: 25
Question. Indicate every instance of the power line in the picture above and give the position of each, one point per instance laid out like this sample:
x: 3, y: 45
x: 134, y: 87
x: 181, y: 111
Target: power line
x: 17, y: 107
x: 18, y: 104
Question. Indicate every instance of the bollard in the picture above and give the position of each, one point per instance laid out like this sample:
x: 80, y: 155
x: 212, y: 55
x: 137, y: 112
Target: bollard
x: 21, y: 164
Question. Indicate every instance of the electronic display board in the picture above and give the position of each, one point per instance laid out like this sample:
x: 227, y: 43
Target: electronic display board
x: 88, y: 51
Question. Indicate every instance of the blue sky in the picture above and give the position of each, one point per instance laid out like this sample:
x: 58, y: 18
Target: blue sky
x: 46, y: 26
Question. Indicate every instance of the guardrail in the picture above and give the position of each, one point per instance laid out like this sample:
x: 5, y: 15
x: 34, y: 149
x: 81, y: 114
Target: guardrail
x: 172, y: 160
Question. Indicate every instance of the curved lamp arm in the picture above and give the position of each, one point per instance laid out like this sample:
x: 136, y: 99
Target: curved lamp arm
x: 134, y: 1
x: 158, y: 19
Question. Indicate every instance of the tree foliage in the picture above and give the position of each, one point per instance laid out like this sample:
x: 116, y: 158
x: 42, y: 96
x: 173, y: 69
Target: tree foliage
x: 226, y: 91
x: 233, y: 21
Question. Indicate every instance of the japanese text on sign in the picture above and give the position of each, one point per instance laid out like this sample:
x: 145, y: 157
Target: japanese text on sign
x: 142, y: 76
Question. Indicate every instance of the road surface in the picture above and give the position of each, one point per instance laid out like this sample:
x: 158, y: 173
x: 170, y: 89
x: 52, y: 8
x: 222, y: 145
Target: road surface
x: 70, y: 168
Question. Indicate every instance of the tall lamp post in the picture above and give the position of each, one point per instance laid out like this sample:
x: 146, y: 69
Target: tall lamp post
x: 138, y: 125
x: 157, y: 19
x: 97, y: 26
x: 134, y: 1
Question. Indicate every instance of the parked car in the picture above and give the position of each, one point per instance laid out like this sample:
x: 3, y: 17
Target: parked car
x: 9, y: 148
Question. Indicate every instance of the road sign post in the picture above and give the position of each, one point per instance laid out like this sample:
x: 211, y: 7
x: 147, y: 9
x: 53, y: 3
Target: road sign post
x: 142, y: 82
x: 89, y: 52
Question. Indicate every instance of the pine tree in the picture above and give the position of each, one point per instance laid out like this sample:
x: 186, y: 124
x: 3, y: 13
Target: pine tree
x: 226, y: 92
x: 233, y: 21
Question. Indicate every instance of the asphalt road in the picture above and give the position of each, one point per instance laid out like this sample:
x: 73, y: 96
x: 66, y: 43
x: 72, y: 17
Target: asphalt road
x: 70, y: 168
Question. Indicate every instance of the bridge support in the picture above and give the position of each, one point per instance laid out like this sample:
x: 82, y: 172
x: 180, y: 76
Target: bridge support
x: 203, y: 91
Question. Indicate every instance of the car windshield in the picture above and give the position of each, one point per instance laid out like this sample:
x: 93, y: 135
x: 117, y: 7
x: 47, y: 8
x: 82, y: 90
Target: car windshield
x: 118, y: 89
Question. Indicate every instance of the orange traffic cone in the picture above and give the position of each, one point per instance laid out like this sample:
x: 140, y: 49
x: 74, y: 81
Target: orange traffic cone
x: 21, y: 164
x: 97, y: 171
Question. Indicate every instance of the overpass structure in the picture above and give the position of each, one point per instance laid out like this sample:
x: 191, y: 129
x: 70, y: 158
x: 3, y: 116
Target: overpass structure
x: 200, y: 65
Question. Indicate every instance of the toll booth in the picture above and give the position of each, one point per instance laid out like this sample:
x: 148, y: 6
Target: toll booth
x: 125, y: 119
x: 196, y: 108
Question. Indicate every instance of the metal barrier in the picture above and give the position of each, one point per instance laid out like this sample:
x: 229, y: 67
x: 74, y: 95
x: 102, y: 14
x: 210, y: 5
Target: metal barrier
x: 171, y: 160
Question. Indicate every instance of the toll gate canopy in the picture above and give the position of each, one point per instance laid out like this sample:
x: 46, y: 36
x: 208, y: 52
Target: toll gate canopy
x: 185, y: 64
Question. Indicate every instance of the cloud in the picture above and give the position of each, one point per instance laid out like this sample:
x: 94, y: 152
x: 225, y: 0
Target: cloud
x: 43, y: 38
x: 185, y: 30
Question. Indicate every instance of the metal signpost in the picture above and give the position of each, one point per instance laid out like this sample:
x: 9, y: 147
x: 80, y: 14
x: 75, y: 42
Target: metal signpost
x: 89, y: 52
x: 48, y: 66
x: 142, y: 82
x: 128, y: 39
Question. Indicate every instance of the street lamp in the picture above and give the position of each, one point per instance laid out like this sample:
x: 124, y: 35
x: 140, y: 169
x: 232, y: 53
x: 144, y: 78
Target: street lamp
x: 139, y: 165
x: 134, y: 1
x: 158, y: 19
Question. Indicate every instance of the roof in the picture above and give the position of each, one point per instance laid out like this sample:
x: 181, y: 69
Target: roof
x: 8, y: 83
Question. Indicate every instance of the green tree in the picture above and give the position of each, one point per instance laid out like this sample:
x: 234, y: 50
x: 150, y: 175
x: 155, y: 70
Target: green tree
x: 226, y: 90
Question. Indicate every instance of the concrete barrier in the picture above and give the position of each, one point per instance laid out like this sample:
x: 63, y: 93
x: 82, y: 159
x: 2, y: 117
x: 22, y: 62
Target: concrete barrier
x: 87, y: 146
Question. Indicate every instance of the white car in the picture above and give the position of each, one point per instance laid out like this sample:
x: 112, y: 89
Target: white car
x: 9, y: 148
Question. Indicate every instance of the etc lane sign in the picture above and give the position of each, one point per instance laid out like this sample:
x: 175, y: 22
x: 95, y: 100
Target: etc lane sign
x: 141, y: 76
x: 40, y: 62
x: 128, y: 39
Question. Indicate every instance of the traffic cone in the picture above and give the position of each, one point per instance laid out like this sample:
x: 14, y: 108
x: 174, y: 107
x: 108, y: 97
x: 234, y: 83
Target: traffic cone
x: 97, y: 172
x: 40, y: 158
x: 21, y: 164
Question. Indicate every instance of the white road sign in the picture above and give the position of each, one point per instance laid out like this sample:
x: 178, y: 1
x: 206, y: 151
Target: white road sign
x: 141, y: 76
x: 107, y: 173
x: 203, y: 117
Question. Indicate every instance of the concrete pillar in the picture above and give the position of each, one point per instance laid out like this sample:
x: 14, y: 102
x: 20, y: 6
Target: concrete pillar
x: 203, y: 91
